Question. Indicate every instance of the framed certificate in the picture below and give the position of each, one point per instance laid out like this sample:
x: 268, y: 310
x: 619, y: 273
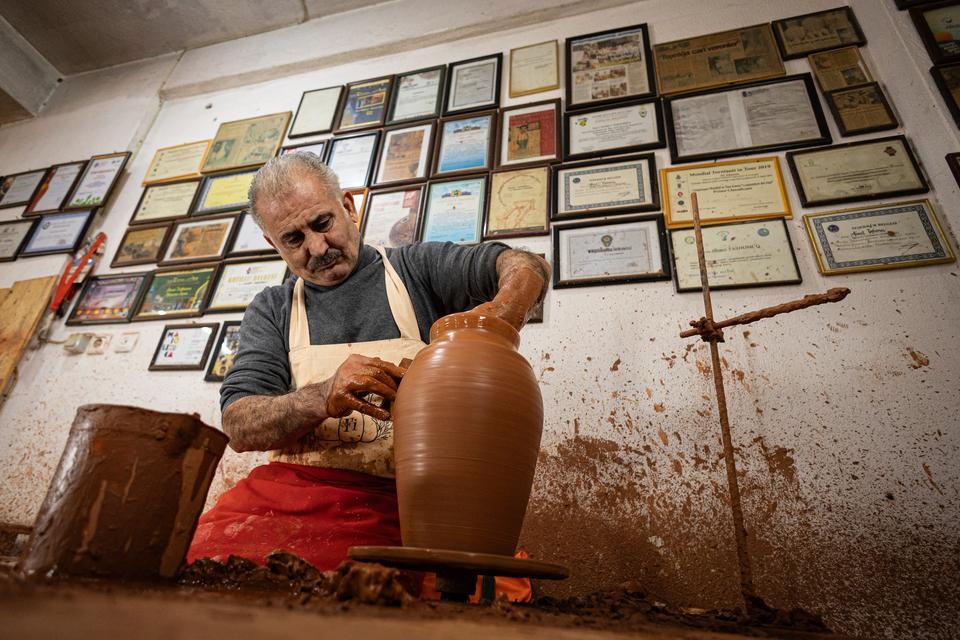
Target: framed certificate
x: 529, y: 134
x: 947, y: 79
x: 405, y: 154
x: 862, y: 109
x: 352, y: 158
x: 534, y: 68
x: 802, y: 35
x: 106, y: 299
x: 316, y: 113
x: 519, y: 203
x: 473, y: 84
x: 417, y: 95
x: 224, y: 192
x: 765, y: 116
x: 54, y: 188
x: 141, y: 245
x: 726, y: 192
x: 839, y: 68
x: 318, y: 148
x: 606, y: 187
x: 176, y: 293
x: 245, y: 143
x: 717, y: 59
x: 739, y: 254
x: 199, y: 240
x: 609, y: 66
x: 610, y: 252
x: 939, y: 28
x: 868, y: 170
x: 13, y: 235
x: 96, y: 183
x: 239, y: 282
x: 176, y: 163
x: 611, y: 130
x: 359, y: 202
x: 454, y: 210
x: 365, y: 105
x: 891, y: 236
x: 392, y: 218
x: 18, y: 189
x: 183, y: 347
x: 465, y: 144
x: 249, y: 239
x: 228, y: 344
x: 58, y: 233
x: 161, y: 202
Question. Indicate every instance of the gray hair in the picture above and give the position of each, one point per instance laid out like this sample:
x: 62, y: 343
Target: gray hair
x: 280, y: 174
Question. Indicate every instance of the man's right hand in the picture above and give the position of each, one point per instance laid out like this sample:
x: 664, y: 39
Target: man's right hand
x: 357, y: 377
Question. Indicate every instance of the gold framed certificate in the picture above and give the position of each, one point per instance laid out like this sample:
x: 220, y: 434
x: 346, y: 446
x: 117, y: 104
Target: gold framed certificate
x: 224, y: 192
x: 862, y: 109
x: 819, y: 31
x: 519, y: 203
x: 534, y: 68
x: 839, y: 68
x: 605, y: 187
x: 176, y: 162
x: 161, y: 202
x: 245, y: 143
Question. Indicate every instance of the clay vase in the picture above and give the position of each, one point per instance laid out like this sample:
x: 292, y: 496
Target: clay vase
x: 467, y: 422
x: 126, y: 496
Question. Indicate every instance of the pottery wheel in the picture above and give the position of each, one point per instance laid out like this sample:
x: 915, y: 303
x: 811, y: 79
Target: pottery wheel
x: 457, y: 571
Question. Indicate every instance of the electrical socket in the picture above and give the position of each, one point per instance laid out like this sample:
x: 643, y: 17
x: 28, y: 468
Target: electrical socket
x: 126, y: 342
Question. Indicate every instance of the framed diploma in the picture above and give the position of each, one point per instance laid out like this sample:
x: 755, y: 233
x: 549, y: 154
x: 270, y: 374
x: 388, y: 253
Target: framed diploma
x: 316, y: 148
x: 765, y: 116
x: 947, y: 79
x: 466, y: 143
x: 352, y: 157
x: 802, y: 35
x: 726, y: 191
x: 58, y: 233
x: 622, y: 128
x: 529, y: 134
x: 606, y: 187
x: 739, y: 254
x: 417, y: 95
x: 141, y: 245
x: 359, y: 202
x: 169, y: 201
x: 473, y: 85
x: 199, y: 240
x: 107, y: 299
x: 228, y: 344
x: 13, y: 235
x: 96, y: 183
x: 183, y: 347
x: 54, y: 188
x: 176, y: 163
x: 405, y: 154
x: 717, y: 59
x: 862, y: 109
x: 249, y: 239
x: 839, y: 68
x: 245, y: 143
x: 610, y: 252
x: 534, y: 68
x: 176, y: 293
x: 519, y: 203
x: 239, y: 282
x: 392, y: 218
x: 224, y: 192
x: 905, y: 234
x: 18, y: 189
x: 609, y: 66
x: 365, y: 105
x: 939, y: 28
x: 868, y: 170
x: 316, y: 112
x: 454, y: 210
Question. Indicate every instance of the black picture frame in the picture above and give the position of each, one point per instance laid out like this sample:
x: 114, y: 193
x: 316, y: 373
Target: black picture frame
x: 568, y: 68
x: 487, y: 234
x: 196, y: 209
x: 295, y: 148
x: 942, y: 81
x: 427, y: 197
x: 382, y: 149
x: 939, y: 52
x: 331, y: 153
x: 909, y: 4
x: 953, y: 161
x: 831, y: 98
x: 556, y: 216
x: 214, y: 268
x: 435, y: 168
x: 77, y: 242
x: 33, y: 192
x: 373, y: 193
x: 92, y: 281
x: 333, y: 117
x: 166, y: 226
x: 232, y: 252
x: 448, y: 86
x: 503, y: 131
x: 161, y: 185
x: 30, y: 212
x: 83, y: 174
x: 345, y: 103
x: 779, y: 25
x: 31, y: 223
x: 395, y: 95
x: 568, y: 116
x: 213, y: 326
x: 225, y: 328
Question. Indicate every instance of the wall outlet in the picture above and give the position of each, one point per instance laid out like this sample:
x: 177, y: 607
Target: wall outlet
x: 77, y: 342
x: 126, y: 342
x: 98, y: 344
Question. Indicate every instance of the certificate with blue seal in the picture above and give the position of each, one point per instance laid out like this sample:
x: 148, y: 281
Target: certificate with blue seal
x: 622, y: 185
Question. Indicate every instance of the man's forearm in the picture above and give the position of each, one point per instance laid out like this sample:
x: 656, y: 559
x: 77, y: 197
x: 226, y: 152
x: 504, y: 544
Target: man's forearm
x: 263, y: 423
x: 522, y: 283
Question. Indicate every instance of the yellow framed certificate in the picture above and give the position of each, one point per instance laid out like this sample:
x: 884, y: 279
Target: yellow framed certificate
x: 176, y: 163
x: 224, y: 192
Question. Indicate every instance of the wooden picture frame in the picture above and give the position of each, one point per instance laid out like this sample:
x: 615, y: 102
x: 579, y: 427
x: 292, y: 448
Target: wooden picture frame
x: 250, y: 142
x: 23, y: 195
x: 364, y: 105
x: 310, y: 147
x: 401, y: 158
x: 269, y: 266
x: 452, y: 104
x: 14, y: 235
x: 57, y: 177
x: 613, y: 130
x: 58, y: 233
x: 518, y: 196
x: 200, y: 239
x: 223, y: 192
x: 527, y: 128
x: 795, y: 40
x: 367, y: 142
x: 397, y: 230
x: 839, y: 68
x: 177, y: 292
x: 86, y: 192
x: 592, y: 75
x: 947, y: 79
x: 193, y: 336
x: 863, y: 109
x: 465, y: 189
x: 179, y: 162
x: 942, y: 46
x: 143, y: 244
x: 475, y: 155
x: 633, y: 176
x: 249, y: 240
x: 226, y: 349
x: 317, y: 112
x: 537, y: 62
x: 413, y: 82
x: 166, y: 201
x: 112, y: 310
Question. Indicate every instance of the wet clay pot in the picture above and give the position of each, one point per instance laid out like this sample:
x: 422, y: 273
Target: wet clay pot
x: 467, y: 423
x: 126, y: 496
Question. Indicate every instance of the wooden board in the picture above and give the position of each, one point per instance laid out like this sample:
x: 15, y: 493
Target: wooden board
x: 21, y: 308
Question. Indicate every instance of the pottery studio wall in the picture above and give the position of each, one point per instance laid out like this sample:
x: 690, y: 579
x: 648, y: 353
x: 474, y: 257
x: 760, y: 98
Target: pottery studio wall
x: 844, y: 416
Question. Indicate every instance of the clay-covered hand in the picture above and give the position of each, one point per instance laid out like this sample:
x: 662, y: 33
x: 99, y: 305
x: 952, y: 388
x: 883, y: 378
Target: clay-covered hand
x: 357, y: 377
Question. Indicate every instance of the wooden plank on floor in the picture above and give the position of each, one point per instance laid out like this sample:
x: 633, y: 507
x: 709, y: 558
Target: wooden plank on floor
x: 21, y: 309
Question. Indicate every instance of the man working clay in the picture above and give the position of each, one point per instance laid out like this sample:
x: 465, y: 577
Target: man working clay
x: 312, y: 352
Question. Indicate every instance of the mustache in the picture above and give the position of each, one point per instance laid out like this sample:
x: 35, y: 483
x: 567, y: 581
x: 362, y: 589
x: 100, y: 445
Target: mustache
x: 319, y: 262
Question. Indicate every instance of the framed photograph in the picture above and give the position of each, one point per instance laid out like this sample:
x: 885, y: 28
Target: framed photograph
x: 603, y: 252
x: 939, y: 28
x: 58, y: 233
x: 228, y: 344
x: 802, y: 35
x: 249, y: 239
x: 18, y: 189
x: 529, y: 134
x: 868, y: 170
x: 534, y: 68
x: 417, y: 95
x: 239, y: 282
x: 245, y: 143
x: 953, y: 161
x: 13, y: 236
x: 613, y: 130
x: 609, y: 66
x: 729, y: 191
x: 947, y: 79
x: 183, y: 347
x: 862, y: 109
x: 317, y: 111
x: 740, y: 254
x: 718, y: 59
x: 179, y: 162
x: 473, y: 85
x: 519, y: 203
x: 318, y: 148
x: 352, y: 158
x: 466, y: 144
x: 200, y: 240
x: 606, y: 187
x: 106, y: 299
x: 773, y: 115
x: 54, y: 188
x: 890, y: 236
x: 839, y: 69
x: 165, y: 202
x: 224, y: 192
x: 365, y: 105
x: 405, y: 154
x: 96, y: 183
x: 392, y: 217
x: 141, y: 245
x: 454, y: 210
x: 177, y: 293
